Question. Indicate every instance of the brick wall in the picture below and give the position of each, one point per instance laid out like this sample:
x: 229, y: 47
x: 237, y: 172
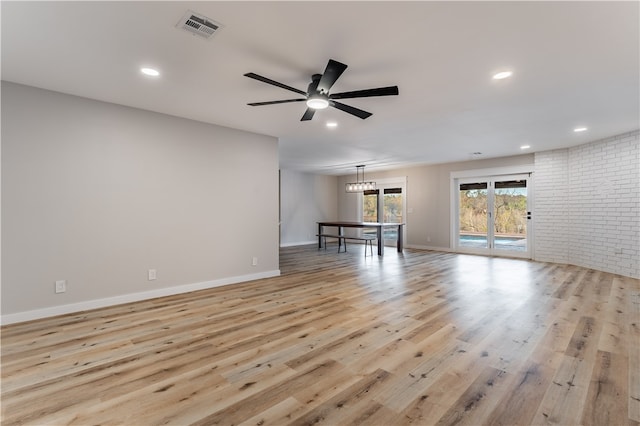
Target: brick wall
x: 551, y: 212
x: 587, y: 205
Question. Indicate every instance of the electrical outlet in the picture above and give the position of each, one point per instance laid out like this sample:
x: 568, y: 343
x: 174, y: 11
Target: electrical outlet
x: 152, y: 274
x: 61, y: 286
x: 254, y: 262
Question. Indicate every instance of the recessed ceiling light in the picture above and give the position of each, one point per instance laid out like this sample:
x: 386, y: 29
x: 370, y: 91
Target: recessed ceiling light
x: 150, y: 72
x: 525, y: 147
x: 502, y: 75
x: 580, y: 129
x: 332, y: 124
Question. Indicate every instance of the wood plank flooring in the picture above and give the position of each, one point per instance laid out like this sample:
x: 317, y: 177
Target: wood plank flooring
x: 420, y: 338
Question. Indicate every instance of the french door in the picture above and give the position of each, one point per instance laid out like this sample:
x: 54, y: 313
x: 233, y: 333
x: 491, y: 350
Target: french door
x: 494, y: 214
x: 385, y: 204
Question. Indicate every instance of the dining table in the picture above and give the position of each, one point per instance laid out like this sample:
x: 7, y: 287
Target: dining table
x: 379, y: 226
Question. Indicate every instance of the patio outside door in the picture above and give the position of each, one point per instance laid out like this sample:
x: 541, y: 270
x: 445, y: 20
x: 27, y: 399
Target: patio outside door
x: 493, y: 216
x: 385, y: 204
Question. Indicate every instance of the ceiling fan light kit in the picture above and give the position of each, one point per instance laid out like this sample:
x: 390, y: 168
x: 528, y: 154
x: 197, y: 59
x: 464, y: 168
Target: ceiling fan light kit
x: 317, y: 102
x: 317, y: 95
x: 359, y: 185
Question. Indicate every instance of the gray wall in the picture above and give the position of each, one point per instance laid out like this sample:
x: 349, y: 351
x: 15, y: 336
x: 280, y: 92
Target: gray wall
x: 304, y: 200
x: 97, y: 194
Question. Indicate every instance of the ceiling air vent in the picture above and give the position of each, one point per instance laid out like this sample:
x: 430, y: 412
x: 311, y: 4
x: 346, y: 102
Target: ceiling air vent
x: 198, y: 24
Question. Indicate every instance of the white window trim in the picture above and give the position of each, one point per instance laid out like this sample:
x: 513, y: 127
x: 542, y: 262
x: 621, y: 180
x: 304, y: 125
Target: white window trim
x: 495, y: 171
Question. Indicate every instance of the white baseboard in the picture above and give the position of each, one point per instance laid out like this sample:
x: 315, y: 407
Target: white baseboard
x: 414, y: 246
x: 304, y: 243
x: 127, y: 298
x: 300, y: 243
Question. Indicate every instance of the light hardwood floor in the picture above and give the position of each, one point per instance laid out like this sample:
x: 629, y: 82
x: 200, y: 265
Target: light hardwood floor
x: 416, y: 338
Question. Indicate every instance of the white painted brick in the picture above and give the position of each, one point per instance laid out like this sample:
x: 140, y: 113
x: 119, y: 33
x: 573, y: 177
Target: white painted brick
x: 588, y: 204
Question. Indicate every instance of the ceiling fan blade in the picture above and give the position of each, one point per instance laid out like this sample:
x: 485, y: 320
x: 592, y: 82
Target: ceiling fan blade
x: 381, y: 91
x: 333, y: 71
x: 308, y: 114
x: 275, y: 102
x: 351, y: 110
x: 273, y: 82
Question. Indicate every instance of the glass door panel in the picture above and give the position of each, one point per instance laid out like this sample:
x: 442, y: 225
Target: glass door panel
x: 370, y: 206
x: 392, y: 203
x: 370, y: 210
x: 472, y: 215
x: 510, y: 215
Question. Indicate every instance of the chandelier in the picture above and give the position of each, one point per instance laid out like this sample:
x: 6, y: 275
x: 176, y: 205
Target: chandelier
x: 359, y: 185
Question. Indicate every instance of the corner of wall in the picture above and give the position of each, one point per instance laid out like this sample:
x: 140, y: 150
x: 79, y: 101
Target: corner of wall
x: 587, y: 205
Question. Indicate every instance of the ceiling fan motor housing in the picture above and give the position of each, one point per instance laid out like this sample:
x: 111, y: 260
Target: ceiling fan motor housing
x: 313, y: 86
x: 317, y: 95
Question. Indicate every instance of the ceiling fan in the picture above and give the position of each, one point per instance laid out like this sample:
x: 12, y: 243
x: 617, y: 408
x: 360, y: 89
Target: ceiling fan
x: 317, y: 95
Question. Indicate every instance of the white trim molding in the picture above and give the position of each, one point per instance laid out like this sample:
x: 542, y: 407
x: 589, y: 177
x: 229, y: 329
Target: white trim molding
x: 299, y: 243
x: 493, y: 171
x: 128, y: 298
x: 431, y: 248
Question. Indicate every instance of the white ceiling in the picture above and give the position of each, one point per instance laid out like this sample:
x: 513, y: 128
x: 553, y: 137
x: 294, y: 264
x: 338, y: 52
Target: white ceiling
x: 574, y: 64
